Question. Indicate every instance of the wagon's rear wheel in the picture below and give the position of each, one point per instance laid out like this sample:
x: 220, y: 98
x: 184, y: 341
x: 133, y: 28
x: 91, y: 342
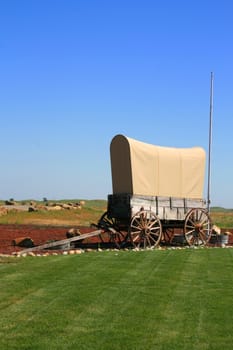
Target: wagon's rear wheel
x: 145, y: 229
x: 109, y: 224
x: 197, y: 227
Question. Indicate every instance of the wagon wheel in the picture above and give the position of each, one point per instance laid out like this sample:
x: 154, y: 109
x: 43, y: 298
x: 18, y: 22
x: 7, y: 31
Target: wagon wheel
x: 145, y: 229
x: 168, y: 234
x: 109, y: 224
x: 197, y: 227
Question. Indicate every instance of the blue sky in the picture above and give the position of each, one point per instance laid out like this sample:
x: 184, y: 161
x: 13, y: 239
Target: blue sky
x: 76, y: 73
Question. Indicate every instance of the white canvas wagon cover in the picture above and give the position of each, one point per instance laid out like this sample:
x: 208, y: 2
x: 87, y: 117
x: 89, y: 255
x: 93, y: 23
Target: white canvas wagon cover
x: 144, y: 169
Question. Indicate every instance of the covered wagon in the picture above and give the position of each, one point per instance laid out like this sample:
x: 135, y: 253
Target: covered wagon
x: 156, y: 190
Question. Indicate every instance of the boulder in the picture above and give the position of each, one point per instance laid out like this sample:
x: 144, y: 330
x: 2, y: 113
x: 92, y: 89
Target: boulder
x: 3, y: 211
x: 66, y: 206
x: 31, y: 208
x: 56, y: 207
x: 10, y: 202
x: 25, y: 242
x: 73, y: 232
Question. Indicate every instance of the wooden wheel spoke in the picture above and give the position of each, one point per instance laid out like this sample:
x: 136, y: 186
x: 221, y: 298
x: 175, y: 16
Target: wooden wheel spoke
x: 148, y: 242
x: 192, y: 222
x: 188, y: 225
x: 154, y: 223
x: 150, y: 224
x: 207, y: 232
x: 201, y: 236
x: 191, y: 240
x: 205, y: 223
x: 136, y: 237
x: 153, y: 239
x: 138, y: 222
x: 155, y: 233
x: 136, y: 227
x: 199, y: 215
x: 190, y: 232
x: 204, y: 233
x: 136, y: 231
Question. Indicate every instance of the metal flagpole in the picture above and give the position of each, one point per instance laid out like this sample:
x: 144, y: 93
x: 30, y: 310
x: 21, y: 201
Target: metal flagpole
x: 210, y: 140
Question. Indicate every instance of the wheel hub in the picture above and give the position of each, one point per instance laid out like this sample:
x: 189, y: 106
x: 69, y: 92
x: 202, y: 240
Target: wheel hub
x: 198, y: 227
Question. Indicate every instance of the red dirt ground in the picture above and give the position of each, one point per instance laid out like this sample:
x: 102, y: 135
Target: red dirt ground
x: 43, y: 234
x: 39, y: 235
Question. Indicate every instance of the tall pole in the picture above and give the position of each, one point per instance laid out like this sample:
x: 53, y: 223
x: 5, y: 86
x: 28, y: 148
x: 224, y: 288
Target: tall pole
x: 210, y: 140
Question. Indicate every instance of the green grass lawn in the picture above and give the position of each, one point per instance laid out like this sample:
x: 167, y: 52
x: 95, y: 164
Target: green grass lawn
x: 172, y: 299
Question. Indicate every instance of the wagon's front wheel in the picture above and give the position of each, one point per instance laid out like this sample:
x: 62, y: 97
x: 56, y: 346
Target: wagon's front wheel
x: 106, y: 221
x: 109, y: 224
x: 145, y: 229
x: 197, y: 227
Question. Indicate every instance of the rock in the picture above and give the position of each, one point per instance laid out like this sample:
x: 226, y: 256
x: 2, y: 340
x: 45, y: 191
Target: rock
x: 73, y: 232
x: 31, y: 254
x: 89, y: 250
x: 25, y: 242
x: 216, y: 230
x: 3, y: 211
x: 31, y: 208
x: 66, y: 206
x: 10, y: 202
x: 55, y: 207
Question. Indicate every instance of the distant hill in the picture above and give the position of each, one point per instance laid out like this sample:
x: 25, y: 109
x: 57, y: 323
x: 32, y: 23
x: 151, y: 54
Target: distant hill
x: 221, y: 209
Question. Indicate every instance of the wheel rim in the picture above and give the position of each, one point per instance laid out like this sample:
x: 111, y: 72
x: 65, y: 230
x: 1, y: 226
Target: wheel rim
x: 197, y: 227
x: 145, y: 229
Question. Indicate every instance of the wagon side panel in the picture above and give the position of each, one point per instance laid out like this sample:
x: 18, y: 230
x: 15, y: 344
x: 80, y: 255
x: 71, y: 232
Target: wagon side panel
x: 125, y: 206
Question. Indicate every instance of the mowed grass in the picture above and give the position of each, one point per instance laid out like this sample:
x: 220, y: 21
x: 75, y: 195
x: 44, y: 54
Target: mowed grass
x: 172, y: 299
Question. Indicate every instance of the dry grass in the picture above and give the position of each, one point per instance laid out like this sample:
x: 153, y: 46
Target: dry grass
x: 90, y: 213
x: 222, y: 218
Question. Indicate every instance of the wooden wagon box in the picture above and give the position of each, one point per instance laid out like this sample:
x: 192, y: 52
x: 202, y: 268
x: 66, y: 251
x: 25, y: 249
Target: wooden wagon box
x: 125, y: 206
